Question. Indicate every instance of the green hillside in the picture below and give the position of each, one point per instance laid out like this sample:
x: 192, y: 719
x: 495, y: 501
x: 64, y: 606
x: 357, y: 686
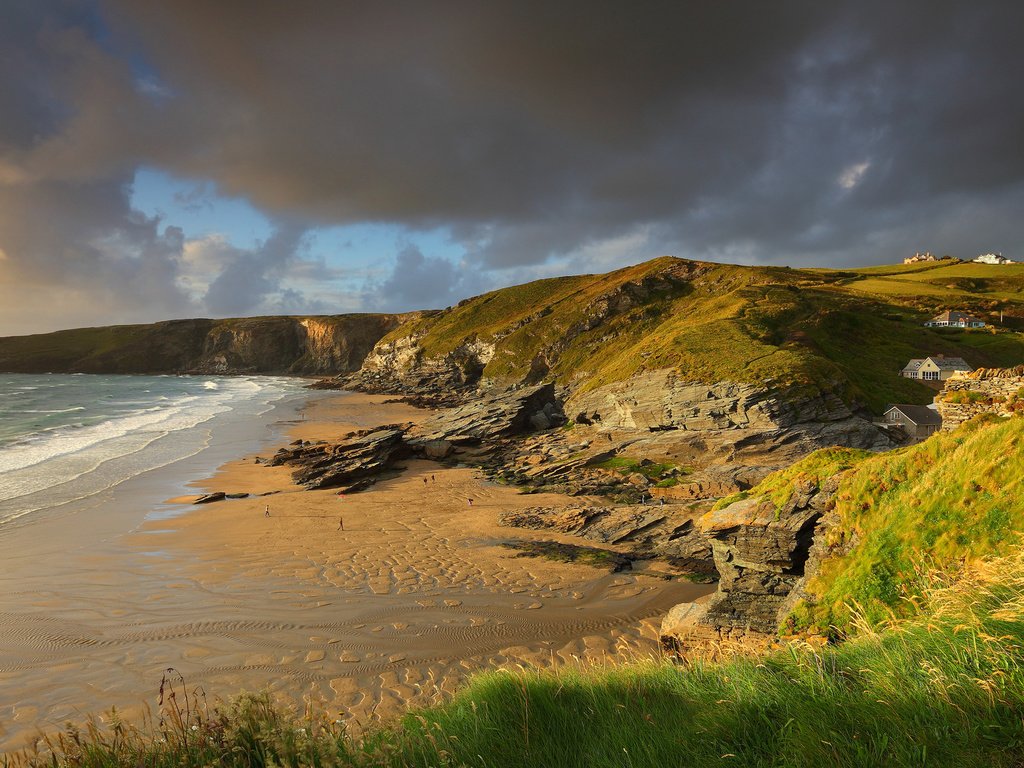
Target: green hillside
x: 716, y: 322
x: 848, y: 330
x: 949, y: 501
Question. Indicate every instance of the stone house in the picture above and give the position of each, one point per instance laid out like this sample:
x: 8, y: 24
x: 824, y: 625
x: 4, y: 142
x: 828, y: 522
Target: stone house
x: 917, y: 421
x: 937, y: 368
x: 953, y: 319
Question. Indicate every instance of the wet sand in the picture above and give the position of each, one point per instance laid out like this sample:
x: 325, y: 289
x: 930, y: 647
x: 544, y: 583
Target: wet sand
x: 414, y: 594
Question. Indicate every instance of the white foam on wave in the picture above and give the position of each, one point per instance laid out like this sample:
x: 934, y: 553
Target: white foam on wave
x: 211, y: 385
x: 57, y: 466
x: 69, y: 439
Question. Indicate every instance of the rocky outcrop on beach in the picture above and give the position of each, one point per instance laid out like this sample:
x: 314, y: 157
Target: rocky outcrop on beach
x: 666, y: 532
x: 763, y: 554
x: 360, y: 455
x: 367, y: 453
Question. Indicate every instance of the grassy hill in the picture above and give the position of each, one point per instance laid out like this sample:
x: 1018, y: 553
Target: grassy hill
x: 716, y: 322
x: 854, y: 329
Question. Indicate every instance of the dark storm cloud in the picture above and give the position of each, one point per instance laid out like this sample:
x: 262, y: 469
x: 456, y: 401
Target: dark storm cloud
x: 535, y: 127
x: 583, y: 134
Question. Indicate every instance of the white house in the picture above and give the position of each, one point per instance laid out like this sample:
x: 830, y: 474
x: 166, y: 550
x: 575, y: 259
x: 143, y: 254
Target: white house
x: 938, y: 368
x: 953, y: 319
x: 993, y: 258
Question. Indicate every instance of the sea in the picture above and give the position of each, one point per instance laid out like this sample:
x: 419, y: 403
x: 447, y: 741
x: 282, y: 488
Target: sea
x: 66, y: 439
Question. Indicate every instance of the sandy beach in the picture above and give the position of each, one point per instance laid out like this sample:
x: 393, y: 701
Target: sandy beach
x: 366, y: 603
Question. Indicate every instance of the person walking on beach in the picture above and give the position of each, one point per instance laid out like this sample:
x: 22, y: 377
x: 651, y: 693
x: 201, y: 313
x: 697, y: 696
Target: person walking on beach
x: 471, y: 502
x: 341, y: 523
x: 266, y: 512
x: 424, y: 481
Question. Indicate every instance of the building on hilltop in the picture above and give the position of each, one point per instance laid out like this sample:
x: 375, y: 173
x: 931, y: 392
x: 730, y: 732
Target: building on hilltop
x: 937, y: 368
x: 993, y: 258
x: 927, y: 256
x: 918, y: 421
x: 953, y: 319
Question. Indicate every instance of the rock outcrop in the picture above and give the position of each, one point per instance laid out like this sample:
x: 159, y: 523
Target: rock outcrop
x: 489, y: 417
x: 763, y: 554
x: 642, y: 531
x: 739, y: 423
x: 360, y: 455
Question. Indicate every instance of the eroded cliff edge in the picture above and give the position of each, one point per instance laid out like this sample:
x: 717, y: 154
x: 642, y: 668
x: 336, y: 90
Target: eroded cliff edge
x: 324, y: 345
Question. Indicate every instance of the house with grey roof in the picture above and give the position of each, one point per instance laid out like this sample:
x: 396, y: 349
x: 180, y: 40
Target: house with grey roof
x: 937, y: 368
x: 917, y: 421
x: 953, y: 319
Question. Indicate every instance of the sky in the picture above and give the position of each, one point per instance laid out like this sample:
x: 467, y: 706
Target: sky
x: 185, y: 158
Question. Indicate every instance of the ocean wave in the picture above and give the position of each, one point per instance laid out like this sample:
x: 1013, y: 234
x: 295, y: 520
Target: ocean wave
x: 56, y: 410
x: 69, y: 439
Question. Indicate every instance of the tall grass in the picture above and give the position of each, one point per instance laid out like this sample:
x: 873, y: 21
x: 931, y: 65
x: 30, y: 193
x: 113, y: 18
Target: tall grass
x: 944, y: 687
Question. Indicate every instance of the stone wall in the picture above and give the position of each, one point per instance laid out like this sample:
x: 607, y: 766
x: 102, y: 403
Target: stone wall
x: 987, y: 390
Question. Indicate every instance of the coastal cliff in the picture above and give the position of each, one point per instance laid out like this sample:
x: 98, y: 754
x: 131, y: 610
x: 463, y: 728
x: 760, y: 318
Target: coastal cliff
x: 292, y: 345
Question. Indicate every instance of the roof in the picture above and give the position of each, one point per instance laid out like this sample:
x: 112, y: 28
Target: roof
x: 921, y: 415
x: 914, y: 364
x: 951, y: 363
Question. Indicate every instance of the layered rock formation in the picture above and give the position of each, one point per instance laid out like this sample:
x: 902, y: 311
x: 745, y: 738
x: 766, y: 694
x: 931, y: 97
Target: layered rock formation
x: 360, y: 455
x: 763, y: 553
x: 666, y: 532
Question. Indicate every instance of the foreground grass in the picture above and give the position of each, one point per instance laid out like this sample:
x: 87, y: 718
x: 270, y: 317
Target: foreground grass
x: 942, y: 688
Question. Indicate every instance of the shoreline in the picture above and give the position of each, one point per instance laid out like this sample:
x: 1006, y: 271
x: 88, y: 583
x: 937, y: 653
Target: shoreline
x: 398, y: 609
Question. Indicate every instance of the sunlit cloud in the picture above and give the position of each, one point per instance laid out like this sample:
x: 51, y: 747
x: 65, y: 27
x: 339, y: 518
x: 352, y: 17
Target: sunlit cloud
x: 852, y: 175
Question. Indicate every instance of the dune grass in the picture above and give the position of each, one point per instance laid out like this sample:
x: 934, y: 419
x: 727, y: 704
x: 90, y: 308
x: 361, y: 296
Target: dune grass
x: 943, y: 687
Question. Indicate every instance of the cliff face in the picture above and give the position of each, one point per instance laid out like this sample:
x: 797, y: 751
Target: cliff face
x: 284, y: 345
x: 763, y: 555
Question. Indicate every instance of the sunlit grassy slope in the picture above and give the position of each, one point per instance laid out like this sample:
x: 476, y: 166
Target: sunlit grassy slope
x: 950, y: 500
x: 716, y: 322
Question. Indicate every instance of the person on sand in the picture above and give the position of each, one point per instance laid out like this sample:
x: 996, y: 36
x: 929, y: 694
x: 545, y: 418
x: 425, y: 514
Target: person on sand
x: 266, y: 512
x: 433, y: 479
x: 341, y: 523
x: 471, y: 502
x: 424, y: 481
